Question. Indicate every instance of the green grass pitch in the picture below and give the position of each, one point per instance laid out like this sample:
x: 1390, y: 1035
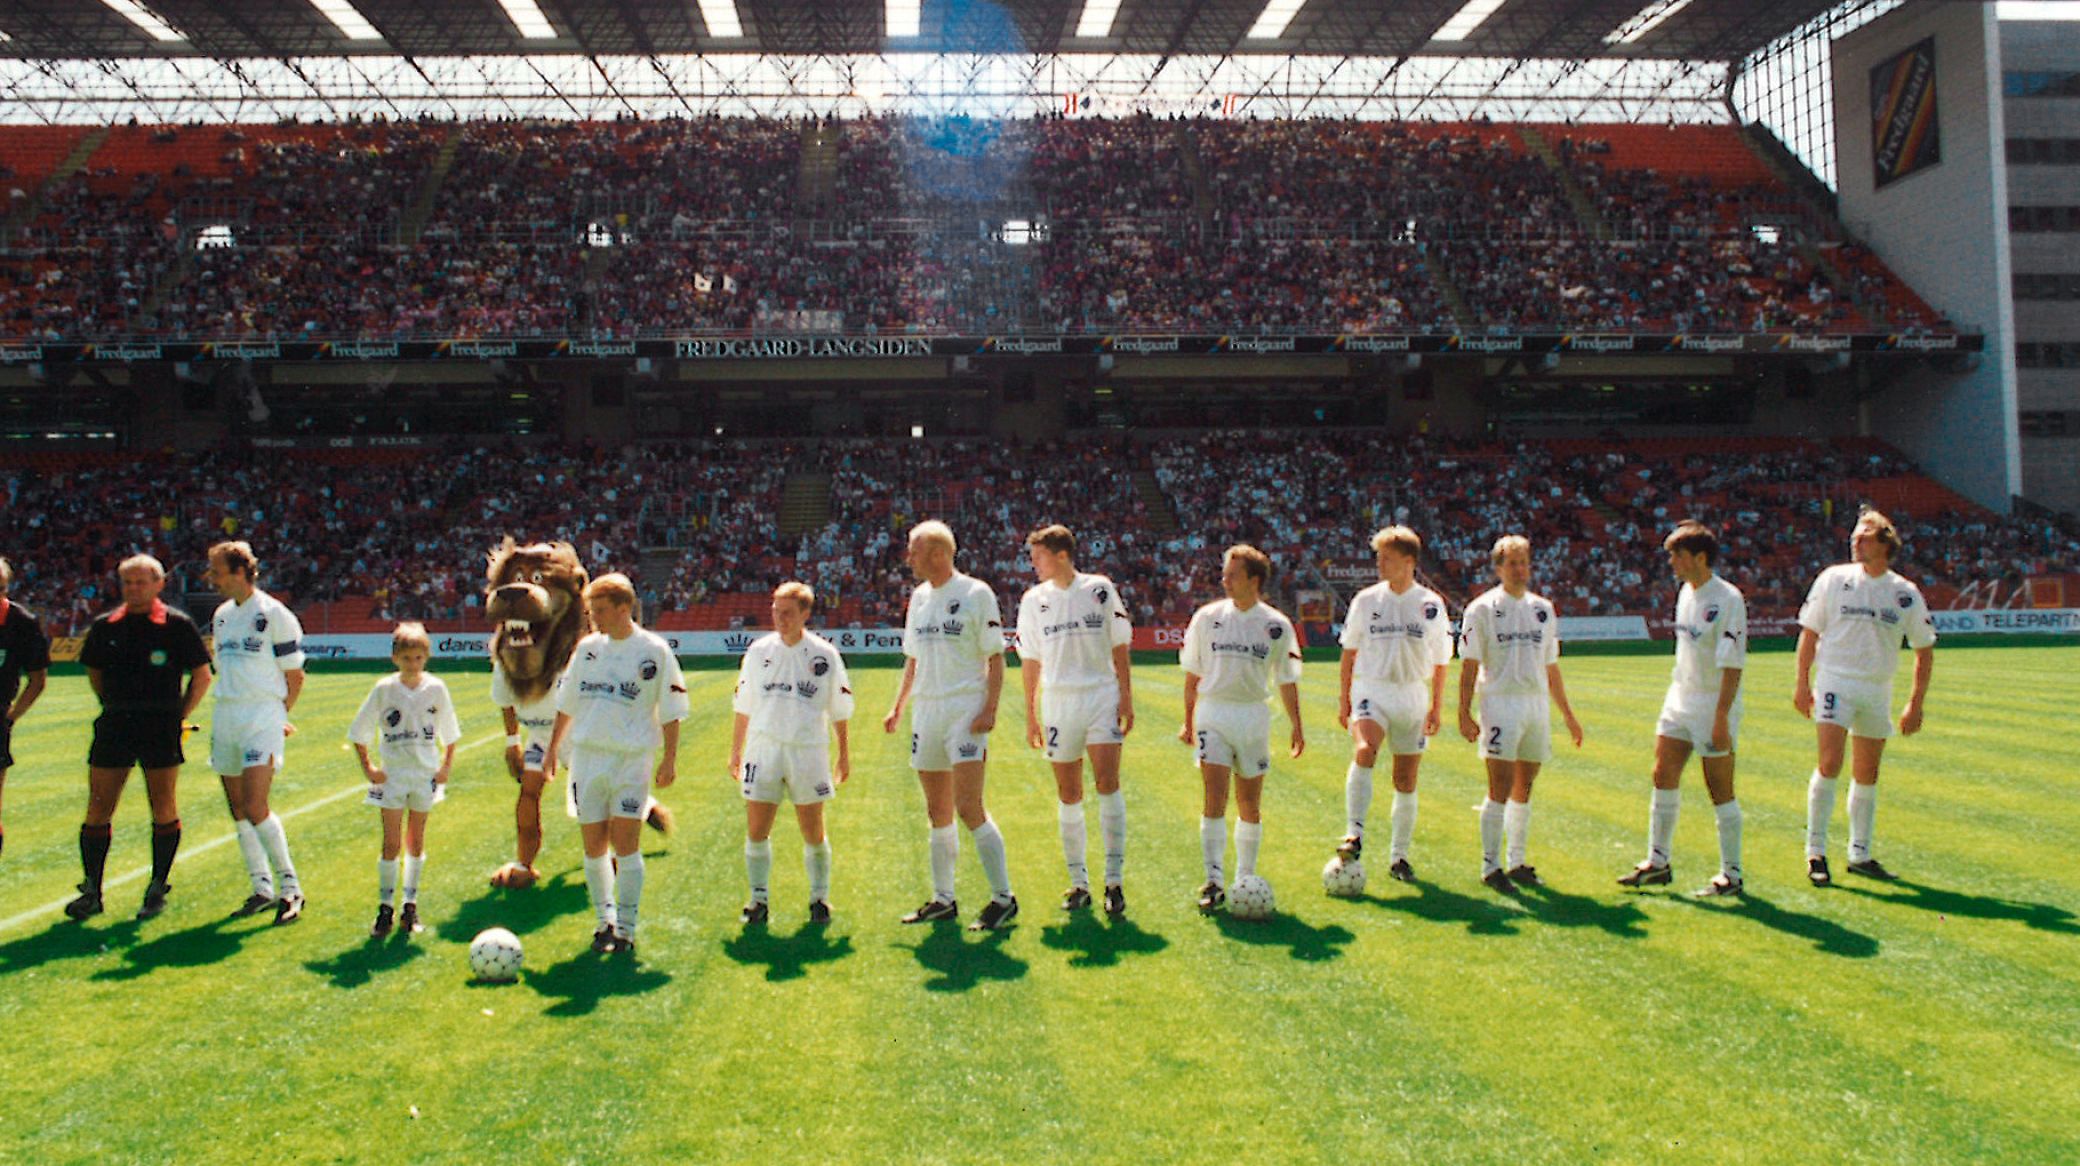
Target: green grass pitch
x: 1936, y: 1019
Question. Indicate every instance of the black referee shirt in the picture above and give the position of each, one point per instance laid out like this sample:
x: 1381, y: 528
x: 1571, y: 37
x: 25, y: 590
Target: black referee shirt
x: 144, y: 659
x: 23, y: 648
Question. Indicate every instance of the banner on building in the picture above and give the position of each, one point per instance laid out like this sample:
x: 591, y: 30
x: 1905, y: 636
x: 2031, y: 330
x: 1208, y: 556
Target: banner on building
x: 1905, y: 134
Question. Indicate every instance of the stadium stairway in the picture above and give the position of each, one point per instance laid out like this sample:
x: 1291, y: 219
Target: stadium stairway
x: 1194, y: 169
x: 1162, y: 519
x: 817, y: 179
x: 66, y: 167
x: 422, y: 206
x: 805, y: 503
x: 1584, y: 207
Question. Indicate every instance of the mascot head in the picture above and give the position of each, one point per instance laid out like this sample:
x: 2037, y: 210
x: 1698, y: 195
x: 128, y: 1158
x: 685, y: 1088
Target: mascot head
x: 535, y: 598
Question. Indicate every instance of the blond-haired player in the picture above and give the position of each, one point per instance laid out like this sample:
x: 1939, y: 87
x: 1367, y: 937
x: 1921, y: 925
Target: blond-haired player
x: 409, y: 720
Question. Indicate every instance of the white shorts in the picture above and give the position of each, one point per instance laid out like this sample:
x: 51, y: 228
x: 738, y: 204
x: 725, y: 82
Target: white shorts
x: 1863, y: 708
x: 407, y: 791
x: 1517, y: 728
x: 610, y: 785
x: 1400, y: 709
x: 1686, y: 715
x: 1236, y: 736
x: 534, y: 752
x: 802, y: 772
x: 1073, y: 721
x: 247, y: 734
x: 939, y: 736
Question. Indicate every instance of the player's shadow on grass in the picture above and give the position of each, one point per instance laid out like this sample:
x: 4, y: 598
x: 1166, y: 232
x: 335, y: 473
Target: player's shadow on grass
x: 1099, y: 943
x: 198, y: 946
x: 580, y: 983
x: 519, y: 912
x: 959, y: 964
x: 1622, y: 919
x: 786, y: 957
x: 2039, y: 916
x: 64, y: 941
x: 1303, y: 940
x: 359, y: 964
x: 1481, y: 915
x: 1827, y: 935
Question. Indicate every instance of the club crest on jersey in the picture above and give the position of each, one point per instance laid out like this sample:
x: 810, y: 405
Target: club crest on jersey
x: 392, y: 717
x: 1102, y: 595
x: 648, y: 670
x: 820, y: 666
x: 158, y: 657
x: 1275, y: 632
x: 259, y: 623
x: 954, y: 608
x: 1711, y: 615
x: 1905, y: 600
x: 1430, y: 611
x: 1542, y: 615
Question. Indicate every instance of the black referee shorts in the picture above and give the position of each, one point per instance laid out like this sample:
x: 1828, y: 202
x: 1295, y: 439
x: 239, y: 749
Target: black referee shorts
x: 146, y: 740
x: 6, y: 743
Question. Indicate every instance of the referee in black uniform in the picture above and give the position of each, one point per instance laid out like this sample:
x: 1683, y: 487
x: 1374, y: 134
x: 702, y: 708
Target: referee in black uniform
x: 24, y: 652
x: 135, y: 657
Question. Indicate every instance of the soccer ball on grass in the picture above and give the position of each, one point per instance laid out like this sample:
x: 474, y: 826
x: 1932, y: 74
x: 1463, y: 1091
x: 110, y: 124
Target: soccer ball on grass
x: 494, y: 955
x: 1250, y: 898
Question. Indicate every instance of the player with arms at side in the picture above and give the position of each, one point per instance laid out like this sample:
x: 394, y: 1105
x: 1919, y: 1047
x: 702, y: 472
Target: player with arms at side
x: 409, y: 718
x: 259, y: 676
x: 1850, y: 631
x: 1235, y: 651
x: 25, y: 661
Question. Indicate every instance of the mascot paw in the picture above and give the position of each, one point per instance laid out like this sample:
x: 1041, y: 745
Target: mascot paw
x: 514, y: 876
x: 660, y: 818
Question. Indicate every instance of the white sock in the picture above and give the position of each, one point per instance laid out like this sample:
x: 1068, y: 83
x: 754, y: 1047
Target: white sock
x: 1819, y: 808
x: 1213, y: 842
x: 1491, y: 836
x: 758, y: 868
x: 386, y: 879
x: 989, y: 847
x: 816, y: 860
x: 1863, y: 813
x: 1729, y: 813
x: 1516, y: 825
x: 1112, y: 822
x: 1661, y: 824
x: 946, y: 848
x: 1404, y: 819
x: 1075, y: 844
x: 628, y: 892
x: 599, y: 879
x: 413, y: 864
x: 1357, y: 798
x: 1248, y: 836
x: 256, y: 859
x: 277, y: 844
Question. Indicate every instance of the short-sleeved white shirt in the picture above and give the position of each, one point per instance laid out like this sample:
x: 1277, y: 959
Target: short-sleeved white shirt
x: 1071, y: 632
x: 537, y: 717
x: 617, y: 692
x: 793, y: 694
x: 1862, y: 619
x: 1399, y: 639
x: 952, y: 631
x: 409, y: 727
x: 1239, y: 655
x: 1513, y: 639
x: 1711, y: 634
x: 256, y: 642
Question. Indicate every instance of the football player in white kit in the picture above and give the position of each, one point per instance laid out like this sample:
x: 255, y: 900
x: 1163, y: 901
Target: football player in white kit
x: 1397, y: 643
x: 1510, y: 641
x: 1235, y: 650
x: 409, y: 718
x: 622, y: 698
x: 792, y: 694
x: 1702, y: 711
x: 259, y: 653
x: 1075, y: 659
x: 953, y: 644
x: 1850, y: 630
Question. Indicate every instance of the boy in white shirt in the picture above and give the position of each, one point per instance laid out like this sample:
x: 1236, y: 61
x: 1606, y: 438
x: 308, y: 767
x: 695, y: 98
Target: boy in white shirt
x: 409, y: 719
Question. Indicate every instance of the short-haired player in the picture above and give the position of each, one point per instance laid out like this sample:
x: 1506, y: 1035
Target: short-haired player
x: 409, y: 720
x: 259, y: 646
x: 25, y: 661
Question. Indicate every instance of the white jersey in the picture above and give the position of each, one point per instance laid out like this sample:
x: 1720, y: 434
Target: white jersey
x: 1711, y: 634
x: 1071, y: 632
x: 409, y: 727
x: 952, y: 631
x: 537, y: 717
x: 257, y: 641
x: 1513, y: 639
x: 617, y: 692
x: 1861, y: 621
x: 1238, y: 655
x: 793, y: 694
x: 1399, y: 639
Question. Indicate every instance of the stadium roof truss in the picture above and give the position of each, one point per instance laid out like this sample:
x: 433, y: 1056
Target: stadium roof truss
x: 236, y: 60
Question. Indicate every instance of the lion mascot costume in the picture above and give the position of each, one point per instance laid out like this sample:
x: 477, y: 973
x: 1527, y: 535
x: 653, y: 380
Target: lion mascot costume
x: 535, y: 598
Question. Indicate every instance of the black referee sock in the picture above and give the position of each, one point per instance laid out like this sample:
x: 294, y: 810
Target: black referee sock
x: 93, y: 853
x: 166, y: 839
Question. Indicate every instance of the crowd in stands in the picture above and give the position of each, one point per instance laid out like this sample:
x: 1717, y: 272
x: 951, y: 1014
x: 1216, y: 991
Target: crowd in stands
x: 697, y: 523
x: 510, y: 228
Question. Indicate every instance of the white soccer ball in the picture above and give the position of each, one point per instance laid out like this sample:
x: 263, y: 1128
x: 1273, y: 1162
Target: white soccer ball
x: 1344, y: 877
x: 495, y: 955
x: 1250, y: 898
